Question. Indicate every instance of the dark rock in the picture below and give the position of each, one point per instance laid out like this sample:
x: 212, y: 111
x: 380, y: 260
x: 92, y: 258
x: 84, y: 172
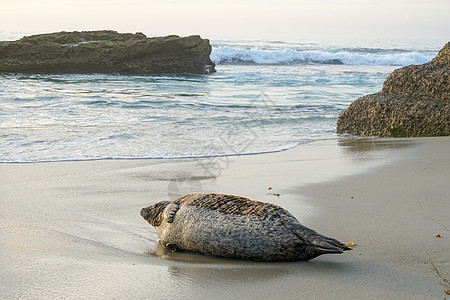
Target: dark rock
x: 415, y: 101
x: 106, y: 52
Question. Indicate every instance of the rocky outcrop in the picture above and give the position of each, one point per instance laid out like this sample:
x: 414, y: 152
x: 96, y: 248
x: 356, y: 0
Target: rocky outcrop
x: 106, y: 52
x: 414, y: 101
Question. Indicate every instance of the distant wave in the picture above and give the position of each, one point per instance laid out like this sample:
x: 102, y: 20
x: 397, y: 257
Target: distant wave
x: 231, y: 55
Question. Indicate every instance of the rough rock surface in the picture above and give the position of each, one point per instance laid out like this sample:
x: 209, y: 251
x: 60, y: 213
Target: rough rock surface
x: 106, y: 52
x: 415, y: 101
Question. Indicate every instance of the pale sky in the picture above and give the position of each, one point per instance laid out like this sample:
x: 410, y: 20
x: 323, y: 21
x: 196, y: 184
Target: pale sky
x: 240, y: 19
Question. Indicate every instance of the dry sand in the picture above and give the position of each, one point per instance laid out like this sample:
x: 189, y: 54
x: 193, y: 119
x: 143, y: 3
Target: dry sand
x: 72, y: 230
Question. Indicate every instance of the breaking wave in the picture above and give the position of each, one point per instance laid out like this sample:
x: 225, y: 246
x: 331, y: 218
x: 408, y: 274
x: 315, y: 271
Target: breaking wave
x: 231, y: 55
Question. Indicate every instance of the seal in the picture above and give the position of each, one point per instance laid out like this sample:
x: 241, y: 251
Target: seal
x: 236, y: 227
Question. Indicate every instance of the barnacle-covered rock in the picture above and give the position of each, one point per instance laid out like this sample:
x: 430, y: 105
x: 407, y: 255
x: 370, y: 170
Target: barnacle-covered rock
x: 414, y: 101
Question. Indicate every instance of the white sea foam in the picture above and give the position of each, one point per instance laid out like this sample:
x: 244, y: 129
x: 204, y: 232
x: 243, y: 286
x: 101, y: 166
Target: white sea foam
x: 211, y: 157
x: 231, y: 55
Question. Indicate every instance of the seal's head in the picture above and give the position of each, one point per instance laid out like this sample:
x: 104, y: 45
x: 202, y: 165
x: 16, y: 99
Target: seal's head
x: 153, y: 214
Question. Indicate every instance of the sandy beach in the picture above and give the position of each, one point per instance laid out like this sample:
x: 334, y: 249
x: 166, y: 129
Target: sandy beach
x: 72, y: 230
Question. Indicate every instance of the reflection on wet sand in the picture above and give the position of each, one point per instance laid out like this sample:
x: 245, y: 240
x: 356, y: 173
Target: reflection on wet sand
x: 363, y: 149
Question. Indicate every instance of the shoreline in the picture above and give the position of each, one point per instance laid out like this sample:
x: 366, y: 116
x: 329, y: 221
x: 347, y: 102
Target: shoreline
x: 84, y: 217
x: 118, y: 158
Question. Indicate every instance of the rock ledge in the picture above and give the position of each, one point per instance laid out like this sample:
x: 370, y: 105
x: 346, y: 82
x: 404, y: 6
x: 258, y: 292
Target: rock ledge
x: 106, y: 52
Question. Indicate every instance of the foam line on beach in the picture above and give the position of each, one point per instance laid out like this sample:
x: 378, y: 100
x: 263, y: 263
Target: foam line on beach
x: 287, y: 147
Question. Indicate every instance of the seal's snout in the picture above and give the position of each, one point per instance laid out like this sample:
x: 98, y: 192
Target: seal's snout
x: 145, y: 212
x: 153, y: 214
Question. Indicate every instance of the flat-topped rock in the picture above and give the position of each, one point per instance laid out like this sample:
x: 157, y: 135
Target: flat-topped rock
x: 414, y: 101
x: 106, y: 52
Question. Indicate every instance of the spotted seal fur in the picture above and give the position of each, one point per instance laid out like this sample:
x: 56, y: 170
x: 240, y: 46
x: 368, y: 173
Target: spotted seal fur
x: 236, y: 227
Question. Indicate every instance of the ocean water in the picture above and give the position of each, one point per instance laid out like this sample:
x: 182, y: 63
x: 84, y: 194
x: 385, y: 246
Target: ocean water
x: 266, y: 96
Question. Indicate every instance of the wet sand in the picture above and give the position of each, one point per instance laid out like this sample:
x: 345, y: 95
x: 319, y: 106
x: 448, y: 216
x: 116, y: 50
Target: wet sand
x: 72, y: 229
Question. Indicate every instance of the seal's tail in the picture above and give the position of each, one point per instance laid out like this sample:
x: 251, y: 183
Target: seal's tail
x: 318, y: 244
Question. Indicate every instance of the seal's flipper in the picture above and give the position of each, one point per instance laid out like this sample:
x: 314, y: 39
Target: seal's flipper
x: 170, y: 212
x: 172, y: 247
x: 319, y: 244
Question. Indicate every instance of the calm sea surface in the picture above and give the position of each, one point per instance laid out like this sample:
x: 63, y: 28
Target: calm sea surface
x: 266, y: 96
